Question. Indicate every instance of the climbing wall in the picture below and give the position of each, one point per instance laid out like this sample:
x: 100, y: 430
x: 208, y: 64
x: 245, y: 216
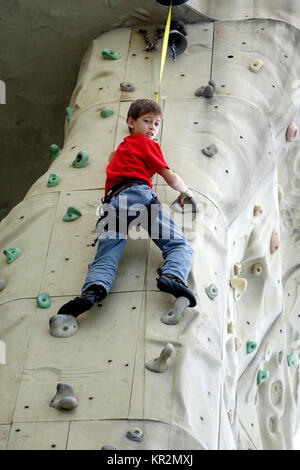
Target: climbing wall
x: 232, y: 380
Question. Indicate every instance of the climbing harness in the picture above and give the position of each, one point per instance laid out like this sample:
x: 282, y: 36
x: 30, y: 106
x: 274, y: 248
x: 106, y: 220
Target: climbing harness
x: 114, y: 191
x: 118, y: 187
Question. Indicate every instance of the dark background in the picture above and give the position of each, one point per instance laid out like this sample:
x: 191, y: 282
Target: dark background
x: 41, y: 48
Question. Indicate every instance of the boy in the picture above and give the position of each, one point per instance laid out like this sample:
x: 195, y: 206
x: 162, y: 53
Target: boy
x: 128, y: 183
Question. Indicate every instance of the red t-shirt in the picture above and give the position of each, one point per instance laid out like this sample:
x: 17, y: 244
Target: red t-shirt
x: 136, y: 157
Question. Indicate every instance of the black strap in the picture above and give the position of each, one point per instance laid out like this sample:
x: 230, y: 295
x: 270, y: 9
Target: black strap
x: 171, y: 276
x: 119, y: 186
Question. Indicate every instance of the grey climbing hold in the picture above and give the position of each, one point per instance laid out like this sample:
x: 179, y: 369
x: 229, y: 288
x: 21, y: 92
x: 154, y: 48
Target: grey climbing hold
x: 81, y: 159
x: 108, y: 447
x: 65, y: 398
x: 135, y: 435
x: 2, y: 284
x: 212, y: 291
x: 200, y: 91
x: 210, y: 150
x: 63, y: 326
x: 127, y: 86
x: 208, y: 91
x: 174, y: 314
x: 160, y: 364
x: 213, y: 84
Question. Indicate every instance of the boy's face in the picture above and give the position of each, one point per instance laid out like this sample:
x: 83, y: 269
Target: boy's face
x: 147, y: 124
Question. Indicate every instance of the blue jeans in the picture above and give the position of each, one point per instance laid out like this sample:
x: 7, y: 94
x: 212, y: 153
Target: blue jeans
x: 176, y: 251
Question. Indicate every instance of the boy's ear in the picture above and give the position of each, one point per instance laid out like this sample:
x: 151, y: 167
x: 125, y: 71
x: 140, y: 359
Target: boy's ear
x: 130, y: 122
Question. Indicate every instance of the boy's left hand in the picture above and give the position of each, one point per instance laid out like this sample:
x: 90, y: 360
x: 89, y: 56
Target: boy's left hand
x: 182, y: 198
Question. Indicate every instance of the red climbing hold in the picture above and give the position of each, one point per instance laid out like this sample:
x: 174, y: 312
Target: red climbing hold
x: 275, y: 242
x: 291, y: 132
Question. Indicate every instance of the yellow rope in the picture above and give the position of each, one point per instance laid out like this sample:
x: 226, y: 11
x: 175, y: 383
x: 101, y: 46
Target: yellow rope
x: 164, y: 50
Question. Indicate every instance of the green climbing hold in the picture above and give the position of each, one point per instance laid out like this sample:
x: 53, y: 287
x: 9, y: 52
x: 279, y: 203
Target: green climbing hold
x: 107, y: 112
x: 293, y: 359
x: 81, y: 159
x: 12, y: 254
x: 43, y: 300
x: 53, y: 180
x: 110, y: 55
x: 72, y: 214
x: 69, y: 113
x: 262, y: 376
x: 250, y: 346
x: 54, y: 152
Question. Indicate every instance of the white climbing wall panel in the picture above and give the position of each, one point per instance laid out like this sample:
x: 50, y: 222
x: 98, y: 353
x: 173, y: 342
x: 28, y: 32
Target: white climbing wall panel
x: 209, y: 397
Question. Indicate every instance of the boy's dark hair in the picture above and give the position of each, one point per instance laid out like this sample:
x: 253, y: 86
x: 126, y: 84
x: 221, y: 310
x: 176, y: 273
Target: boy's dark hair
x: 143, y: 106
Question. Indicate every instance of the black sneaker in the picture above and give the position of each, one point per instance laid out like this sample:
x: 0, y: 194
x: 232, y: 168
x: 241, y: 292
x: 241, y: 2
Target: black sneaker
x: 83, y: 303
x: 173, y: 285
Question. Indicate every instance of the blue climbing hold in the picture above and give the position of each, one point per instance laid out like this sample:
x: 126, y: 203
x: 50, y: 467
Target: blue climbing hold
x: 69, y: 113
x: 53, y: 180
x: 110, y: 54
x: 293, y: 359
x: 71, y: 214
x: 81, y: 159
x: 12, y: 254
x: 43, y: 300
x: 54, y: 152
x: 250, y: 346
x: 262, y: 376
